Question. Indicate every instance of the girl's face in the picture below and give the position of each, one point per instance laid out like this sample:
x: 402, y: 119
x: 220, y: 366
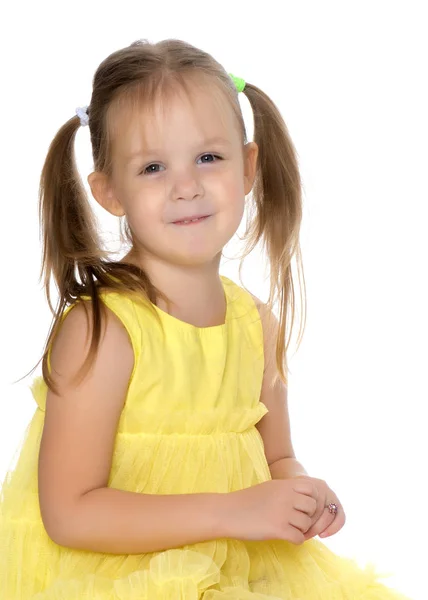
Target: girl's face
x: 186, y: 160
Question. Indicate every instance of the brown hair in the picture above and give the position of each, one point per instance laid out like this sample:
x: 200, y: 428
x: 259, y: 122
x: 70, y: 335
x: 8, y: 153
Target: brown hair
x: 72, y: 250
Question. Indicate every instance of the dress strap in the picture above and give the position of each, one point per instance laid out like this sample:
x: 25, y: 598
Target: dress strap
x: 246, y: 315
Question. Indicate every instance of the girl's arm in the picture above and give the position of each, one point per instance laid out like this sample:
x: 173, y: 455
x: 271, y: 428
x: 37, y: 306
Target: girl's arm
x: 274, y: 427
x: 77, y: 507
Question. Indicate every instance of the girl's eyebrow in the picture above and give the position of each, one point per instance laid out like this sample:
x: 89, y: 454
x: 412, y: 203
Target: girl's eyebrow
x: 151, y: 151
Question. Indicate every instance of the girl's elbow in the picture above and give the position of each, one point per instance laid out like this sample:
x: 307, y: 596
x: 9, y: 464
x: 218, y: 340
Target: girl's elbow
x: 60, y: 527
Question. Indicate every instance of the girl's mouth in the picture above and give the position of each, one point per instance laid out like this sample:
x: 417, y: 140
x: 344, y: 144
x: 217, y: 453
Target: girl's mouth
x: 192, y: 222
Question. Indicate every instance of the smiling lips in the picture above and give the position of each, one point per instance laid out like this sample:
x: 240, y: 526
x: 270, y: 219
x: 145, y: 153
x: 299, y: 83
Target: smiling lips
x: 191, y: 220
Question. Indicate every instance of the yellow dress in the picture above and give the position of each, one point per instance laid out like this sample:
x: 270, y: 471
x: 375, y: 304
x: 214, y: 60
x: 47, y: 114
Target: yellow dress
x: 188, y: 425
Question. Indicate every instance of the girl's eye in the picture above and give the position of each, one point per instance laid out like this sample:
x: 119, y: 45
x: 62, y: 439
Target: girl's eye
x: 214, y: 155
x: 148, y: 170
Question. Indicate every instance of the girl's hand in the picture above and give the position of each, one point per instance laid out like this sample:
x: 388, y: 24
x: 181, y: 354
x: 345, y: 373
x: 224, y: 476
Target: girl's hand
x: 324, y: 523
x: 279, y: 509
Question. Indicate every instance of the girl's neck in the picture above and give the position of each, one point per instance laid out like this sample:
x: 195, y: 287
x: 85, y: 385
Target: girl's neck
x: 197, y: 294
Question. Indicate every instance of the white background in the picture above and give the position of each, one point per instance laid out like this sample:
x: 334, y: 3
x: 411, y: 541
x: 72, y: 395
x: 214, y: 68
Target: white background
x: 350, y: 81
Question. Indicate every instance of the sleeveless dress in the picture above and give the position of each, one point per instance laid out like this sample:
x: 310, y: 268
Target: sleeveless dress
x: 187, y: 426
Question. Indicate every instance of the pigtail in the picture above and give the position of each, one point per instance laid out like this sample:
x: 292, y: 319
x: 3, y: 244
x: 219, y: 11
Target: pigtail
x: 277, y: 196
x: 70, y: 238
x: 70, y: 241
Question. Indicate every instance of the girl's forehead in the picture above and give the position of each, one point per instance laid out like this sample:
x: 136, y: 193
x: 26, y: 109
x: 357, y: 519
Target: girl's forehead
x: 195, y: 114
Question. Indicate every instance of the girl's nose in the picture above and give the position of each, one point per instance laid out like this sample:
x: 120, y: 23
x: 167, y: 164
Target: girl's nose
x: 187, y: 185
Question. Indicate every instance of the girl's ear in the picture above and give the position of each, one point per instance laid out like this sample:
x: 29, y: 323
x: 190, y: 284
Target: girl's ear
x: 103, y: 192
x: 251, y: 151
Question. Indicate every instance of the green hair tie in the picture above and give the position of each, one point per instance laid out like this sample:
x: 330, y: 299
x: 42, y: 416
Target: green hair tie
x: 239, y: 83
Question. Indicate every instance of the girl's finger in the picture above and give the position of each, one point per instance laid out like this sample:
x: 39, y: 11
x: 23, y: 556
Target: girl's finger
x: 320, y: 508
x: 322, y: 524
x: 335, y: 526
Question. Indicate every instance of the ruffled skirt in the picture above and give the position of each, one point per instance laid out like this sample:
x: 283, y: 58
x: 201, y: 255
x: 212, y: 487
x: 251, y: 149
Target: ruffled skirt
x: 33, y: 567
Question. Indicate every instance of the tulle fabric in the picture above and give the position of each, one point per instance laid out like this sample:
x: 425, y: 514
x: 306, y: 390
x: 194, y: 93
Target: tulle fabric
x: 171, y: 447
x: 222, y: 569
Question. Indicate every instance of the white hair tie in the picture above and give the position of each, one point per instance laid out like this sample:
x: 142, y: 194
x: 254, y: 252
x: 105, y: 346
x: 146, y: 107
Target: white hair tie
x: 83, y: 115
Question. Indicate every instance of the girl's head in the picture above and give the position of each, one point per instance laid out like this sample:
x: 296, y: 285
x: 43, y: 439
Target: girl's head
x: 168, y: 142
x: 175, y: 149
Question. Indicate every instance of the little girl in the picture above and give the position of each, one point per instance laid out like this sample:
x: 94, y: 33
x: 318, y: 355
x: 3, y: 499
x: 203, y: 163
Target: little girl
x: 159, y: 464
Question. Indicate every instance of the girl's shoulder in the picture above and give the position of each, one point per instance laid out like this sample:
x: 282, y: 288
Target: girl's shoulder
x: 119, y: 304
x: 242, y: 300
